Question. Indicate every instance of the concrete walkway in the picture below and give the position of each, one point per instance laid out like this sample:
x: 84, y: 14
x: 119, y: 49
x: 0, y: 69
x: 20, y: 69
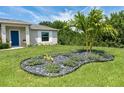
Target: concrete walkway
x: 11, y: 48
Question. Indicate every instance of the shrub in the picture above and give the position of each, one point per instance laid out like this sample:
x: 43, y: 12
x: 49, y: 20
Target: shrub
x: 4, y: 46
x: 93, y: 56
x: 52, y: 68
x: 70, y: 63
x: 75, y: 58
x: 102, y: 44
x: 121, y: 46
x: 32, y: 45
x: 33, y: 63
x: 109, y: 43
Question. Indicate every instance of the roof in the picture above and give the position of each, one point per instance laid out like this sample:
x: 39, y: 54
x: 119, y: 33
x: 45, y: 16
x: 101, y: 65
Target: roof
x: 13, y: 21
x: 32, y: 26
x: 42, y: 27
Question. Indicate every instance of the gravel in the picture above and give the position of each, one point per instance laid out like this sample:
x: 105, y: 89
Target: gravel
x: 59, y: 59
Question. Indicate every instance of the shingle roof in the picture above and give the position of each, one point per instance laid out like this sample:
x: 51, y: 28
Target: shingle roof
x: 42, y: 27
x: 13, y: 21
x: 32, y: 26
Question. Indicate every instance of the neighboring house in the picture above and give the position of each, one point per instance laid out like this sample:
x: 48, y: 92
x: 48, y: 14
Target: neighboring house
x: 20, y: 33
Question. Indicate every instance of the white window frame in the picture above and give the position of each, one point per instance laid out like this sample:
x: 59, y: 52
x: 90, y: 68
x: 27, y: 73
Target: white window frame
x: 48, y: 36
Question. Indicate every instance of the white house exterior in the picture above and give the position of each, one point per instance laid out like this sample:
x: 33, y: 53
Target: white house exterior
x: 20, y: 33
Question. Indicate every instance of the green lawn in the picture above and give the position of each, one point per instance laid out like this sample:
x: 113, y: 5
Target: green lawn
x: 93, y: 74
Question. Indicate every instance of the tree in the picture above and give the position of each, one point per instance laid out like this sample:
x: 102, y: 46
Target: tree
x: 47, y: 23
x: 55, y: 24
x: 116, y: 19
x: 93, y: 25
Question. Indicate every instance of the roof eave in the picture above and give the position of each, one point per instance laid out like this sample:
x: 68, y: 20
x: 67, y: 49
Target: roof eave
x: 46, y: 29
x: 15, y: 23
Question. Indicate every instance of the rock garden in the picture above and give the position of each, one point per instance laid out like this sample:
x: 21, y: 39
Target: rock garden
x: 62, y: 64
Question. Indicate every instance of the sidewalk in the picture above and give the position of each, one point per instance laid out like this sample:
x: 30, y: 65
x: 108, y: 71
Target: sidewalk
x: 11, y: 48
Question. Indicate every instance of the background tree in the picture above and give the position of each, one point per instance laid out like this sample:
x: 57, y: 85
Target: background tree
x: 116, y: 19
x: 47, y: 23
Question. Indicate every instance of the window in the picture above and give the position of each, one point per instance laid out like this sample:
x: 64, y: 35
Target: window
x: 45, y: 36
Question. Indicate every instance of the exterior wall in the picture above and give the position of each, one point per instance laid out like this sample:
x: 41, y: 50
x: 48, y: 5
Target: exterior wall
x: 22, y: 34
x: 3, y: 33
x: 27, y: 33
x: 54, y: 37
x: 35, y: 37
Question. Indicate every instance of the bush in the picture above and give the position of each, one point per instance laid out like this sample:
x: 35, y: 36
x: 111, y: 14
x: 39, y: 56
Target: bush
x: 4, y: 46
x: 93, y: 56
x: 109, y: 43
x: 33, y: 63
x: 32, y: 45
x: 121, y: 46
x: 70, y: 63
x: 102, y: 44
x: 75, y: 58
x: 52, y: 68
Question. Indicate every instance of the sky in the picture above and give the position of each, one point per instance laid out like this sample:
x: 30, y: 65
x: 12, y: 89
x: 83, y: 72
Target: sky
x: 36, y: 14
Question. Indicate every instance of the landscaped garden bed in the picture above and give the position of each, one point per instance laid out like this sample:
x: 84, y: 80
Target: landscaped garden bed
x: 62, y: 64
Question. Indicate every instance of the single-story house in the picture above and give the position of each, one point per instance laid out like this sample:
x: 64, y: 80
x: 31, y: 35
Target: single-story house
x: 20, y: 33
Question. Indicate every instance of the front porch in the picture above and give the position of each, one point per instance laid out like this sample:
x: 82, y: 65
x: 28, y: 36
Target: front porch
x: 16, y: 35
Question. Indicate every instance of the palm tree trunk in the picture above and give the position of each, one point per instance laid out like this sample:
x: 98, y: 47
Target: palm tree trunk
x: 90, y: 48
x: 91, y: 44
x: 86, y: 42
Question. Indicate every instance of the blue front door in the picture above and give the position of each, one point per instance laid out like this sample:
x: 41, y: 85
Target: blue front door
x: 15, y: 38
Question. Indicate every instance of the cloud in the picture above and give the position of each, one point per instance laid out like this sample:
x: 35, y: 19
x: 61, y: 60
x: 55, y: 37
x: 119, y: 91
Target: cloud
x: 25, y: 12
x: 46, y: 10
x: 49, y: 15
x: 85, y: 9
x: 53, y: 15
x: 34, y: 16
x: 40, y: 14
x: 3, y: 14
x: 64, y: 16
x: 37, y: 14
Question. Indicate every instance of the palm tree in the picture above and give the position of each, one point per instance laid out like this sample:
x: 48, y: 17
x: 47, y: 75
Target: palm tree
x: 93, y: 25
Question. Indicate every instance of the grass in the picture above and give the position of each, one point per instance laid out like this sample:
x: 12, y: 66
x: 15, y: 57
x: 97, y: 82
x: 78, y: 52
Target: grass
x: 92, y: 74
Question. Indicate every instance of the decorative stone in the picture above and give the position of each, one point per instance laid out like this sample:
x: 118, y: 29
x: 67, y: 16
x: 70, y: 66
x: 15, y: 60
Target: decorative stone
x: 59, y: 59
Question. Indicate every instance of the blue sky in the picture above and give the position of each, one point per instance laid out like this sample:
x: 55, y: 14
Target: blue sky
x: 35, y: 14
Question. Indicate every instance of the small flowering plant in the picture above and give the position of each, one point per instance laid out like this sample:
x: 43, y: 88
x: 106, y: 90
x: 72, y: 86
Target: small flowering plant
x: 48, y: 58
